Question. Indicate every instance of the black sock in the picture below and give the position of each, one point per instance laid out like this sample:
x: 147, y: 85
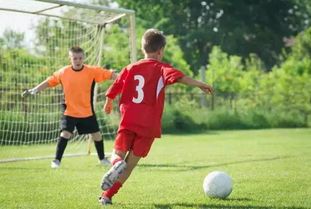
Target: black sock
x: 61, y: 146
x: 99, y: 145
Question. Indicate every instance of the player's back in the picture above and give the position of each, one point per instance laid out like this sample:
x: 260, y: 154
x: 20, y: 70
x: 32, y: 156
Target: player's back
x: 143, y: 82
x: 141, y: 86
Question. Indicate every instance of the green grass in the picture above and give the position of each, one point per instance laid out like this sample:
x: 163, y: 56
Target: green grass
x: 270, y: 169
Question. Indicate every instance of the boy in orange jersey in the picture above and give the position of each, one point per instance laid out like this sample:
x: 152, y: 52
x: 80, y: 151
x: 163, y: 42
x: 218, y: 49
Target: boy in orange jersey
x: 142, y: 88
x: 78, y: 82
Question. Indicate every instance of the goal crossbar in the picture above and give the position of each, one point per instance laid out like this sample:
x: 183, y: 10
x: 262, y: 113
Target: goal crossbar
x: 51, y: 7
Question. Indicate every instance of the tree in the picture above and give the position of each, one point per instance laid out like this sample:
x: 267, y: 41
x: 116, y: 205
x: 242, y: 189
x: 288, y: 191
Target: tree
x: 224, y: 72
x: 11, y: 39
x: 239, y: 27
x: 297, y: 61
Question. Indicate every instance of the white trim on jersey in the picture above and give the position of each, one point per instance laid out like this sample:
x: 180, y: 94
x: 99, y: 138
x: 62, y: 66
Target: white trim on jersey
x: 160, y: 86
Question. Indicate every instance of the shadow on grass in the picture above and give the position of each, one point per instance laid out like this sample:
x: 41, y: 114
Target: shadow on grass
x: 214, y: 206
x: 194, y: 167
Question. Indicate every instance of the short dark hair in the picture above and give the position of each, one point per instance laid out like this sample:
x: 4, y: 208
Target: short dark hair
x: 153, y: 40
x: 76, y: 49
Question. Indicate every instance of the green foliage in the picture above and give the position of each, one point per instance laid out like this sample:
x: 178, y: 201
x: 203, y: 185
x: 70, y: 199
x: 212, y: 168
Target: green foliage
x: 27, y: 129
x: 116, y: 52
x: 283, y: 90
x: 26, y: 123
x: 297, y: 61
x: 249, y: 80
x: 108, y: 124
x: 223, y: 119
x: 179, y: 118
x: 11, y: 39
x: 291, y: 119
x: 224, y: 71
x: 280, y: 98
x: 302, y: 45
x: 240, y: 27
x: 174, y: 55
x: 177, y: 121
x: 49, y: 33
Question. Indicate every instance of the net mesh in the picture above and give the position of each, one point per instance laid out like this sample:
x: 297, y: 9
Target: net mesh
x: 34, y: 121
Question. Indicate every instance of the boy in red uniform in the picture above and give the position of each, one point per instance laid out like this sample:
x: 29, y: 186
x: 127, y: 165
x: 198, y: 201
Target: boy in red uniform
x: 78, y: 82
x: 142, y: 88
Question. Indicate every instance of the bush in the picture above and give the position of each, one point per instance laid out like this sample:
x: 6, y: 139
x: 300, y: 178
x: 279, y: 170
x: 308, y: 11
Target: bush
x: 180, y: 118
x: 254, y: 119
x: 183, y: 119
x: 224, y: 119
x: 282, y: 119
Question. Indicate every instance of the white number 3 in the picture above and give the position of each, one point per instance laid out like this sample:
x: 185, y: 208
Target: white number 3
x: 139, y: 89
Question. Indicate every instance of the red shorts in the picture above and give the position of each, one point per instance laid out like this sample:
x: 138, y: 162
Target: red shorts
x: 129, y: 141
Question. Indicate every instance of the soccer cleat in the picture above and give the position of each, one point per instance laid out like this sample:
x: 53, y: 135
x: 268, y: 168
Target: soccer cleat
x: 113, y: 174
x: 55, y: 164
x: 105, y: 162
x: 105, y: 201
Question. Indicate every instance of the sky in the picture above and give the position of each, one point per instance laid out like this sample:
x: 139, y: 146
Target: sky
x: 15, y: 21
x: 21, y: 22
x: 18, y: 21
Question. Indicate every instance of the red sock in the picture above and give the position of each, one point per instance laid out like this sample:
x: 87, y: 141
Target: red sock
x: 113, y: 190
x: 116, y: 160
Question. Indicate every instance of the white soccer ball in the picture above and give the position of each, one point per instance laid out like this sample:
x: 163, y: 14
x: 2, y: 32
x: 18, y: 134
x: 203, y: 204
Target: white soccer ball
x: 217, y: 184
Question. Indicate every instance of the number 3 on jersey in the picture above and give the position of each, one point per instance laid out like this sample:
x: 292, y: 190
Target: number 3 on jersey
x: 139, y: 89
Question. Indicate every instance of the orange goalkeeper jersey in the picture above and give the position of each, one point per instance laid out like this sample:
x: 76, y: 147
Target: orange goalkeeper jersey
x: 78, y: 87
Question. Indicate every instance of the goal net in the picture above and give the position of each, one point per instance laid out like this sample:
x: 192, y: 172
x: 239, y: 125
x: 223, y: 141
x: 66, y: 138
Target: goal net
x: 33, y: 44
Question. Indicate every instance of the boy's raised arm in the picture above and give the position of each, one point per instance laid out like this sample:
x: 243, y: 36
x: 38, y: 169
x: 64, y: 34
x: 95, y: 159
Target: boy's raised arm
x: 192, y: 82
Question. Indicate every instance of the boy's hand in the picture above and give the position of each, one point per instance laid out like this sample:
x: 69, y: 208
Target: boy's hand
x: 108, y: 105
x: 114, y: 75
x: 207, y: 88
x: 29, y: 92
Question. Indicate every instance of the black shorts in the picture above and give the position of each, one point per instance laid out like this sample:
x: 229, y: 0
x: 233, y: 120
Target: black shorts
x: 83, y: 125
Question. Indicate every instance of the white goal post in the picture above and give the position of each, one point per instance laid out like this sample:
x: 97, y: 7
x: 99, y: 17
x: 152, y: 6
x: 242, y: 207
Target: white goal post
x: 29, y: 127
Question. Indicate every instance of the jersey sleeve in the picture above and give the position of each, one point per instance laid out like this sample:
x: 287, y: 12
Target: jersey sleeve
x: 117, y: 85
x: 54, y: 79
x: 171, y: 75
x: 101, y: 74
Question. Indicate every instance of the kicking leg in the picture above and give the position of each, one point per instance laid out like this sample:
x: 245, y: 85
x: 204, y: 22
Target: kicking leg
x: 115, y: 171
x: 131, y: 162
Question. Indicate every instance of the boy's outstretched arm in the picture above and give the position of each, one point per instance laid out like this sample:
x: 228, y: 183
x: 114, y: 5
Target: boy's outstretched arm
x: 196, y: 83
x: 43, y: 85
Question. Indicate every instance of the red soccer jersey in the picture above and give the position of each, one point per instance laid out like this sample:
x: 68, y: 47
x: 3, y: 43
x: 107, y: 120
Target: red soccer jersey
x: 141, y: 86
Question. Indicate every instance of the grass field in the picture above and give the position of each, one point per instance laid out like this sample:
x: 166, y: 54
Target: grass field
x: 270, y: 169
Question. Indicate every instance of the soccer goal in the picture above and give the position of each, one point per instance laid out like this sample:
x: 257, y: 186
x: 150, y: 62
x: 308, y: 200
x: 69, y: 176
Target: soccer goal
x: 29, y: 127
